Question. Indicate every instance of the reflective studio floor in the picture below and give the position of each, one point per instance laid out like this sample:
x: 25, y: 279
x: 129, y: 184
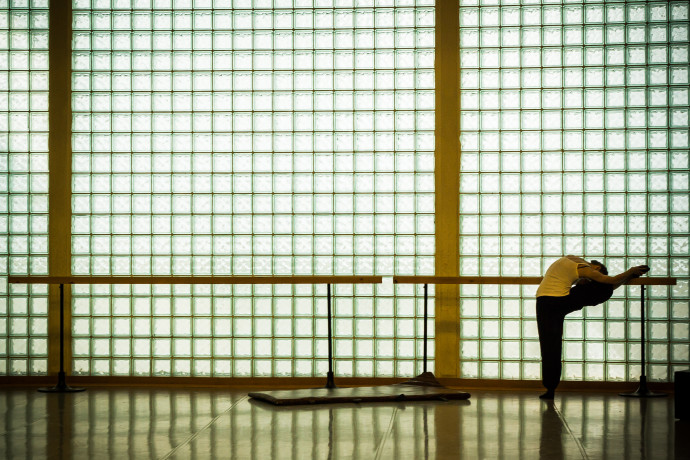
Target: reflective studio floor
x: 204, y: 423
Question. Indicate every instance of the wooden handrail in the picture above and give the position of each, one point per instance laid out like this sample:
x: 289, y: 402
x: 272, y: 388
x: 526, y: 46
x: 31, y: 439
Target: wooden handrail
x: 302, y: 279
x: 652, y: 281
x: 305, y: 279
x: 62, y: 386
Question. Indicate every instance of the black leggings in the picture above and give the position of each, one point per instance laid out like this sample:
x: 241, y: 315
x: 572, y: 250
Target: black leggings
x: 551, y: 313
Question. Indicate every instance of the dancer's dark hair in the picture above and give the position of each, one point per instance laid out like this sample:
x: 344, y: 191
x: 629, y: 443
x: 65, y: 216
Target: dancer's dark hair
x: 603, y: 269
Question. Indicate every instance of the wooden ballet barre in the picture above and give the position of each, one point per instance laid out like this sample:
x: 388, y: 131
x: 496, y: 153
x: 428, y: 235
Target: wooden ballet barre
x: 641, y: 392
x: 427, y: 280
x: 299, y: 279
x: 647, y: 281
x: 62, y: 386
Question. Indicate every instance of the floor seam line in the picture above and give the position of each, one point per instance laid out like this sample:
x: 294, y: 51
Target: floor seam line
x: 193, y: 436
x: 583, y: 452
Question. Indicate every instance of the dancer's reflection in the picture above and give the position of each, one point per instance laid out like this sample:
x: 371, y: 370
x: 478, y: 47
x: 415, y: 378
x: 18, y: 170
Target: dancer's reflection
x: 551, y: 440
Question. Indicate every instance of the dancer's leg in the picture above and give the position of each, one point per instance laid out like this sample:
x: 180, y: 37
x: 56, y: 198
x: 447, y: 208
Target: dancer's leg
x: 550, y: 326
x: 551, y: 312
x: 587, y: 295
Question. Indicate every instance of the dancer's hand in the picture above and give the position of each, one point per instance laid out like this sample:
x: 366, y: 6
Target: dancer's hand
x: 639, y: 270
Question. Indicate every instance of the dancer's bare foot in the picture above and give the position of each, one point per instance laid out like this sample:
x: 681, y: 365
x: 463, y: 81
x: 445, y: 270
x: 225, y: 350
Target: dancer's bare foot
x: 548, y: 395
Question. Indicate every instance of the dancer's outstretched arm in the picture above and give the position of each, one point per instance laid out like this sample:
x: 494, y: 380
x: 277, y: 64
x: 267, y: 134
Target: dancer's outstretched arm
x: 616, y: 281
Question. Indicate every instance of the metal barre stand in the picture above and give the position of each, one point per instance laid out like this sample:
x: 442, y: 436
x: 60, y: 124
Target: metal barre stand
x: 426, y: 311
x: 61, y: 386
x: 330, y: 383
x: 642, y: 391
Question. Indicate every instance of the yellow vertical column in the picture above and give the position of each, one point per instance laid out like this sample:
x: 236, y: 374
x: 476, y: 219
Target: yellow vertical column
x: 60, y: 181
x: 447, y: 173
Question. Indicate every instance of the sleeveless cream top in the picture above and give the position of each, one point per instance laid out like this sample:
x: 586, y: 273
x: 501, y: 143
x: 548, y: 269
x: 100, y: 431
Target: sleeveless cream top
x: 559, y: 278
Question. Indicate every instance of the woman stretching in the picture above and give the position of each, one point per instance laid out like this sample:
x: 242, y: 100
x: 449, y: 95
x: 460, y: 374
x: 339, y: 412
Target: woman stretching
x: 557, y: 296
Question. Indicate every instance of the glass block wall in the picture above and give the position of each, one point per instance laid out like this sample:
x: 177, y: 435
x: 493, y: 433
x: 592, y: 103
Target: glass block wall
x: 237, y: 137
x: 23, y: 185
x: 574, y: 130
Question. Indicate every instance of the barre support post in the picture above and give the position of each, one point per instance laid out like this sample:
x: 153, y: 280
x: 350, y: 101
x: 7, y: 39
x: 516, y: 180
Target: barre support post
x: 642, y: 391
x: 426, y: 314
x: 330, y: 383
x: 61, y: 386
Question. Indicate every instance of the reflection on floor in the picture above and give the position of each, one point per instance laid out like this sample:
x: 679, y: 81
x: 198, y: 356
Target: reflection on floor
x: 213, y: 423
